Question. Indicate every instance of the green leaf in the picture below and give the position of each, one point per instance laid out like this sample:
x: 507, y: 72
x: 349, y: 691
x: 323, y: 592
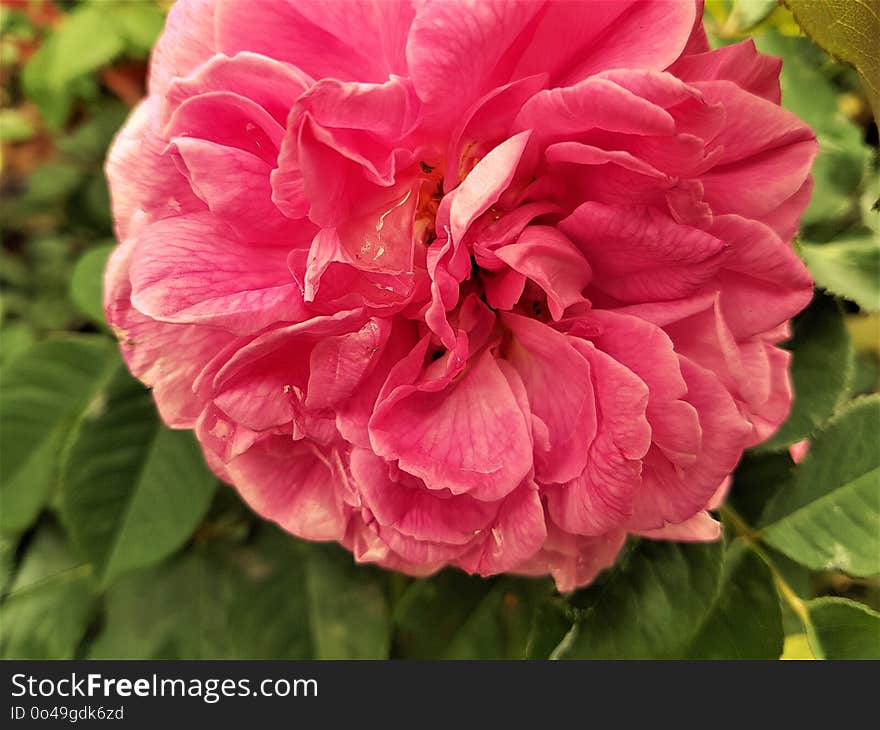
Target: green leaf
x: 347, y: 610
x: 83, y: 42
x: 797, y: 648
x: 15, y: 126
x: 827, y: 519
x: 843, y: 629
x: 87, y: 143
x: 15, y: 338
x: 847, y: 267
x: 756, y: 479
x: 747, y: 14
x: 869, y: 204
x: 839, y: 169
x: 52, y: 184
x: 259, y: 601
x: 675, y: 601
x: 456, y: 616
x: 54, y: 103
x: 744, y: 621
x: 132, y: 490
x: 86, y: 284
x: 230, y: 603
x: 86, y: 40
x: 821, y: 371
x: 139, y: 23
x: 45, y: 391
x: 652, y: 605
x: 7, y: 560
x: 48, y: 608
x: 848, y: 30
x: 169, y: 611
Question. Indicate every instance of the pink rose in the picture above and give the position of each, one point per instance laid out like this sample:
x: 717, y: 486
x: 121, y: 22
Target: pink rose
x: 486, y: 284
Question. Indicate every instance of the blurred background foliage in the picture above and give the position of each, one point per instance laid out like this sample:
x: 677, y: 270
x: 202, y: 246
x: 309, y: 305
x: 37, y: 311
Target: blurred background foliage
x: 115, y: 541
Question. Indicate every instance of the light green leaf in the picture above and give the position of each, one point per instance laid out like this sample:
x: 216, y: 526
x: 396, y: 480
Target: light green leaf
x: 54, y: 103
x: 139, y: 23
x: 747, y: 14
x: 15, y: 338
x: 829, y: 516
x: 847, y: 267
x: 797, y: 648
x: 843, y: 156
x: 652, y: 605
x: 843, y: 629
x: 47, y: 610
x: 848, y: 30
x: 456, y: 616
x: 869, y: 204
x: 86, y: 284
x: 821, y: 371
x: 132, y: 490
x: 83, y: 42
x: 15, y: 126
x: 45, y: 391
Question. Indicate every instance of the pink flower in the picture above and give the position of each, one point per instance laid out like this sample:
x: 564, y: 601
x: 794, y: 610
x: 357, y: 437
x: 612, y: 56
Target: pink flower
x: 486, y: 284
x: 798, y: 451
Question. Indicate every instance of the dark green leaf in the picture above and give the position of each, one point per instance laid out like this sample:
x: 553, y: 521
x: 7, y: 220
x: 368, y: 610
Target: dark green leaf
x: 347, y: 610
x: 827, y: 519
x: 757, y: 478
x: 277, y: 598
x: 132, y: 490
x: 47, y: 610
x: 45, y: 391
x: 843, y: 629
x: 87, y: 144
x: 652, y: 606
x: 7, y: 560
x: 745, y: 621
x: 456, y: 616
x: 230, y: 603
x: 821, y: 371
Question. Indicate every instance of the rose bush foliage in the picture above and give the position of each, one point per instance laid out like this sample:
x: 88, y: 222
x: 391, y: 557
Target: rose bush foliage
x: 488, y: 284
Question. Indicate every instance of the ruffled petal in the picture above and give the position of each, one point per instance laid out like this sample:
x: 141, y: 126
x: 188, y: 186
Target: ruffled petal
x: 467, y: 435
x: 641, y: 255
x: 197, y: 270
x: 354, y: 41
x: 557, y: 379
x: 601, y: 498
x: 293, y: 484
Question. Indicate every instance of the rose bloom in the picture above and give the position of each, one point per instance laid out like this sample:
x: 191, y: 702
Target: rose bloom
x: 483, y: 284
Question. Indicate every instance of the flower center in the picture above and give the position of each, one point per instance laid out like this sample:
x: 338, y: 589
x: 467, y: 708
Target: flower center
x: 430, y: 195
